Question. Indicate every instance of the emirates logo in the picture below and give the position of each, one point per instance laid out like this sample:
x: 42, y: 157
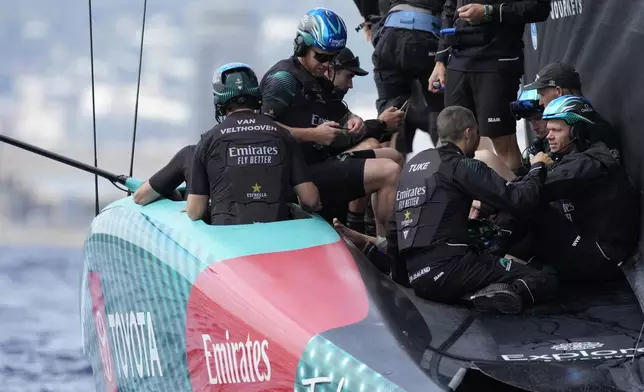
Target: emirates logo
x: 576, y: 346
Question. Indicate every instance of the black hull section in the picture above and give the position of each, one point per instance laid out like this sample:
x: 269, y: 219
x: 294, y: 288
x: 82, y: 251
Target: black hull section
x: 581, y: 342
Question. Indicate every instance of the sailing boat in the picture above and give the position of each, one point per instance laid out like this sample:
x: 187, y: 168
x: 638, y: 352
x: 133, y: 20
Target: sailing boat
x: 168, y: 304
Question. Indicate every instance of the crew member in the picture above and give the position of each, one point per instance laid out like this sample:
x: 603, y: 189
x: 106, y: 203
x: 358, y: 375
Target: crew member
x: 558, y: 79
x: 486, y: 64
x: 165, y: 181
x: 592, y: 223
x: 430, y: 236
x: 247, y: 164
x: 405, y: 46
x: 298, y: 95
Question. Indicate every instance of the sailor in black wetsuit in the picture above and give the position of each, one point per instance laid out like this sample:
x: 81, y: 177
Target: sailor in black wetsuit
x: 247, y: 165
x: 486, y: 63
x: 405, y: 46
x: 296, y: 94
x: 430, y: 236
x: 589, y: 223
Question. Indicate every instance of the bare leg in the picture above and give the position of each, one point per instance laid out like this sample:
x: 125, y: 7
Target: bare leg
x: 358, y: 239
x: 381, y: 176
x: 495, y: 163
x: 507, y: 149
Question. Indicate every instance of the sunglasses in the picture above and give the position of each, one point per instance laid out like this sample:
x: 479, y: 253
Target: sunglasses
x: 323, y: 57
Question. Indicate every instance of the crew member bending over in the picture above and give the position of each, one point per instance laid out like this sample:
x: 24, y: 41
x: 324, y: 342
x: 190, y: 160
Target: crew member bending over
x: 247, y: 164
x: 297, y: 94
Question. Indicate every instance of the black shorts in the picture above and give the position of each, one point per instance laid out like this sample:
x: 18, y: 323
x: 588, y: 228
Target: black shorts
x: 488, y: 95
x: 403, y: 61
x: 340, y: 180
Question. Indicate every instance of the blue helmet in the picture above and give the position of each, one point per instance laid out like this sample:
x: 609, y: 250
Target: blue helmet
x: 527, y: 105
x: 235, y: 81
x: 324, y: 29
x: 570, y: 108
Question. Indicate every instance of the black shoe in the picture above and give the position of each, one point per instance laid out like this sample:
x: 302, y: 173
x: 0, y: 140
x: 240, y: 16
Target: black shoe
x: 497, y: 297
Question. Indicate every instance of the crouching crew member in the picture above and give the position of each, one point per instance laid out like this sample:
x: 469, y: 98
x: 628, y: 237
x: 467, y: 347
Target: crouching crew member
x: 431, y: 238
x: 248, y: 164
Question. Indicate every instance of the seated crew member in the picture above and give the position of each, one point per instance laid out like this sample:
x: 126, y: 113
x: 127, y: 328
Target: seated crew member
x: 558, y: 79
x: 592, y: 222
x: 165, y: 181
x: 296, y: 94
x: 247, y: 165
x: 430, y: 235
x: 341, y: 72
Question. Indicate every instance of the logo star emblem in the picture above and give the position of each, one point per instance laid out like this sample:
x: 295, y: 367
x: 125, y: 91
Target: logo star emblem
x: 257, y: 188
x: 407, y: 214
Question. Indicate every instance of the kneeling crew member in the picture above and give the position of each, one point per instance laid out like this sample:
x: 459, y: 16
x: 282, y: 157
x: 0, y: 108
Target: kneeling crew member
x: 592, y: 222
x: 247, y: 164
x: 433, y: 201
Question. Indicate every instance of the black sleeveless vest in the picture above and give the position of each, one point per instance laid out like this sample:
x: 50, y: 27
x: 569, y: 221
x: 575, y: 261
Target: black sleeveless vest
x: 314, y: 103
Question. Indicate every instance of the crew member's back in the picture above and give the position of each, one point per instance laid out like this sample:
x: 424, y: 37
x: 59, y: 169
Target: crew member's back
x: 247, y: 164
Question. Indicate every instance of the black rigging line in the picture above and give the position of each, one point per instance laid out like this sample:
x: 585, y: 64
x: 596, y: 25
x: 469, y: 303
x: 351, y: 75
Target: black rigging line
x: 138, y: 87
x: 91, y: 57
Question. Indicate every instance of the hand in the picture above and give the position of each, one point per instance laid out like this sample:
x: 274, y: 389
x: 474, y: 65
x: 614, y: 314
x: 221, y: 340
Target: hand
x: 438, y: 75
x: 472, y: 13
x: 541, y: 157
x: 327, y: 132
x: 392, y: 117
x: 367, y: 32
x: 475, y: 210
x: 355, y: 125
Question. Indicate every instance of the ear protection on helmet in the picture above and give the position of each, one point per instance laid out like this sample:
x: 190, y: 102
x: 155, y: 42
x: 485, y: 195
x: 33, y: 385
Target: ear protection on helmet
x: 301, y: 44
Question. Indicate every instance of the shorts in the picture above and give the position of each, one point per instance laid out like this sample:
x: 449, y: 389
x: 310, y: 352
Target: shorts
x: 403, y: 62
x: 488, y: 95
x: 339, y: 180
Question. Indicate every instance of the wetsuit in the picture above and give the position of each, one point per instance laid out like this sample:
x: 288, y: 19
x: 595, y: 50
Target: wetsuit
x: 248, y: 165
x: 431, y: 236
x: 295, y: 98
x: 589, y: 222
x: 486, y: 64
x: 166, y: 180
x: 403, y: 60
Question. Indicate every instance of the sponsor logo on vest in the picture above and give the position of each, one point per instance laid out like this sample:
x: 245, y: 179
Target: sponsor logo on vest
x: 418, y: 167
x: 317, y: 120
x: 577, y: 351
x: 405, y: 233
x: 407, y: 221
x: 253, y: 155
x: 568, y: 209
x: 576, y: 241
x: 565, y: 8
x: 136, y: 344
x: 586, y: 109
x: 419, y: 273
x: 256, y: 194
x: 312, y: 382
x: 494, y: 119
x: 410, y: 196
x: 505, y: 263
x: 438, y: 276
x: 236, y: 362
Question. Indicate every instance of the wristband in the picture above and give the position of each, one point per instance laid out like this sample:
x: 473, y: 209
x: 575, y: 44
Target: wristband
x: 487, y: 13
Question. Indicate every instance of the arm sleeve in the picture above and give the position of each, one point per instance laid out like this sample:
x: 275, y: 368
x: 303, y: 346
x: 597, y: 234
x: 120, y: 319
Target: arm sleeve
x: 571, y: 177
x: 447, y: 21
x: 278, y: 92
x: 521, y: 12
x: 476, y: 179
x: 299, y: 172
x: 198, y: 181
x: 166, y: 180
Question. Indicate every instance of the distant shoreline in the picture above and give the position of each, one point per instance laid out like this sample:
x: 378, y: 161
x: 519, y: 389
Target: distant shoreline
x: 42, y: 236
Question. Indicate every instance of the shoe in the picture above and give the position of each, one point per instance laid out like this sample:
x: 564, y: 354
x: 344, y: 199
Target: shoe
x: 498, y: 297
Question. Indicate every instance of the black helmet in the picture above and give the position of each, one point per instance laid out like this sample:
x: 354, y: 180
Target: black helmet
x: 235, y: 82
